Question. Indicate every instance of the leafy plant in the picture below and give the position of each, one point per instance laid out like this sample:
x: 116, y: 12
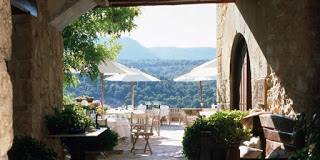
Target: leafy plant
x: 67, y: 97
x: 81, y: 52
x: 27, y: 148
x: 105, y: 141
x: 70, y: 120
x: 225, y: 127
x: 312, y: 149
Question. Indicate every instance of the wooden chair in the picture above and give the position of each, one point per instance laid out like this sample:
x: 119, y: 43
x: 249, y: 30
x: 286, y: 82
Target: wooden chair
x: 156, y: 122
x: 141, y: 125
x: 175, y: 113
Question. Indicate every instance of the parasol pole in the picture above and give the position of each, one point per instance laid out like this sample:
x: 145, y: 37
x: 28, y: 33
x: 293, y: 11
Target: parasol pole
x: 200, y: 94
x: 102, y: 89
x: 132, y: 99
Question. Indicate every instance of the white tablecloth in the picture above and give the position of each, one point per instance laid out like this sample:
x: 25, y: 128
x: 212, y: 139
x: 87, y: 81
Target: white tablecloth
x: 142, y: 107
x: 164, y: 111
x: 120, y: 125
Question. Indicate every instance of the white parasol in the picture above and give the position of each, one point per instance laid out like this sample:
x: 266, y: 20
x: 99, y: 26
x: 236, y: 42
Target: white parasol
x: 205, y: 72
x: 138, y: 77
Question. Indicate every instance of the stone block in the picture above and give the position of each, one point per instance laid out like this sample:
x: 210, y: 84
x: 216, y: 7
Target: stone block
x: 26, y: 92
x: 21, y: 37
x: 5, y: 30
x: 22, y: 119
x: 6, y: 130
x: 26, y: 72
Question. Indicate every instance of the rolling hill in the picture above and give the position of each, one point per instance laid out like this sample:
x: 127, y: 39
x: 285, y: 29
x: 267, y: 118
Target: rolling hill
x: 133, y: 50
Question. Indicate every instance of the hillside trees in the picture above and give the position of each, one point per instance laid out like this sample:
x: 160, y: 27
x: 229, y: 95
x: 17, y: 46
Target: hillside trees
x: 174, y: 94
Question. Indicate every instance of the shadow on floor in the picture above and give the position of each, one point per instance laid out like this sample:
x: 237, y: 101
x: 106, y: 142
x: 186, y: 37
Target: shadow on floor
x: 167, y: 146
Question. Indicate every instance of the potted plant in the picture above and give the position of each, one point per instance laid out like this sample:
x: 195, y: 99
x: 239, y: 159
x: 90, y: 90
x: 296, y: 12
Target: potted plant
x: 89, y: 99
x: 70, y: 120
x: 27, y: 148
x: 221, y: 130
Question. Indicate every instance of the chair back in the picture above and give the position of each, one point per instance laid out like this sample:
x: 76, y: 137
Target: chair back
x: 138, y: 118
x: 156, y: 112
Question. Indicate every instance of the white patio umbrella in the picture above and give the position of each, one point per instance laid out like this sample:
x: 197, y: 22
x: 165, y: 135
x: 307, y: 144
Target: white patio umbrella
x: 138, y: 77
x: 205, y: 72
x: 110, y: 67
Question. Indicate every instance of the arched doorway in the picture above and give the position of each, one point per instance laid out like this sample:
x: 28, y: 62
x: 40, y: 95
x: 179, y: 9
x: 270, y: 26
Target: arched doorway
x: 240, y: 76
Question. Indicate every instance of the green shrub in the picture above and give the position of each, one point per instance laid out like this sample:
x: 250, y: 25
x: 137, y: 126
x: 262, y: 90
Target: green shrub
x: 225, y: 127
x: 70, y: 120
x: 27, y: 148
x: 105, y: 141
x: 312, y: 149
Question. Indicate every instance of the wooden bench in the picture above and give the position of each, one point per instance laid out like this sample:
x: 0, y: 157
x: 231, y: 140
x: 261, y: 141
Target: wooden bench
x: 277, y: 134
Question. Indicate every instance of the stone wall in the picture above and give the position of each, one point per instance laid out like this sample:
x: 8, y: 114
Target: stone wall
x: 6, y: 130
x: 36, y: 72
x: 284, y: 48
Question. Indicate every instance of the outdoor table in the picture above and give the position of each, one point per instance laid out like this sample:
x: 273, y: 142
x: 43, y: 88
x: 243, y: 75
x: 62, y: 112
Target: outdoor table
x: 165, y: 110
x: 86, y: 134
x: 119, y: 113
x: 79, y: 153
x: 118, y: 121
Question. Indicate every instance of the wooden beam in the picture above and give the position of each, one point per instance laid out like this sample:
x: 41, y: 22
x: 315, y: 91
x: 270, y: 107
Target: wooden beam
x: 127, y: 3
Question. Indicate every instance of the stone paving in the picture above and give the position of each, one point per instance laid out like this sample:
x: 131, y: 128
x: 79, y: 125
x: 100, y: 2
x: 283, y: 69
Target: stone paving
x: 167, y: 146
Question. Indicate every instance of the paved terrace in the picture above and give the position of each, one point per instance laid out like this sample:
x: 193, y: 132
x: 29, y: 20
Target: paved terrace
x: 167, y: 146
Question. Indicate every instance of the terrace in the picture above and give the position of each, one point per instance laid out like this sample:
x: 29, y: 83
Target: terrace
x: 267, y: 53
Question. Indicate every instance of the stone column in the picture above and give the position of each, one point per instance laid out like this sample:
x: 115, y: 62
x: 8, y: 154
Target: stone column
x: 6, y: 131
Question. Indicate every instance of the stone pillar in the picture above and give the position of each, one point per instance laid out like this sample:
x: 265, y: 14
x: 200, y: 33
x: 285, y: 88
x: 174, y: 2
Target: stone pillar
x: 36, y: 72
x: 6, y: 131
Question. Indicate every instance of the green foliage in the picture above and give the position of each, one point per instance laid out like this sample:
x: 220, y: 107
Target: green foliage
x: 174, y: 94
x: 105, y: 141
x: 67, y: 97
x: 70, y: 120
x: 27, y: 148
x: 225, y: 127
x: 81, y: 52
x: 312, y: 149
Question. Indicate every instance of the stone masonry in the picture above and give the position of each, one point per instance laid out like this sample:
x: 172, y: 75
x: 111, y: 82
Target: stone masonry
x: 36, y: 72
x: 6, y: 130
x: 283, y: 40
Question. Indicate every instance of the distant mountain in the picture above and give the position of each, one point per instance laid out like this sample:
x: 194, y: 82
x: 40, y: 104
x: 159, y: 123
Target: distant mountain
x: 132, y: 50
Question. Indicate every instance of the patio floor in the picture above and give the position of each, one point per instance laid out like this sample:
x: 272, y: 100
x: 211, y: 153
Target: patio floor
x: 166, y: 146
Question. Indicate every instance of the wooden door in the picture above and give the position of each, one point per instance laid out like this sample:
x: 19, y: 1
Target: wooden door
x: 245, y: 85
x: 242, y: 78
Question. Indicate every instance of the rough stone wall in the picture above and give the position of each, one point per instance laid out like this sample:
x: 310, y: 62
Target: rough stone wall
x: 283, y: 39
x: 6, y: 130
x: 36, y: 71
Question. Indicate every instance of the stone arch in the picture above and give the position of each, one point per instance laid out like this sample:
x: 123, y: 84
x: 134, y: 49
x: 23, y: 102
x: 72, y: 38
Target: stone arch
x: 240, y: 75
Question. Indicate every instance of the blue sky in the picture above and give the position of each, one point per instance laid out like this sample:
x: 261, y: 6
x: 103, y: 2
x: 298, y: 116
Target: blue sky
x: 176, y: 26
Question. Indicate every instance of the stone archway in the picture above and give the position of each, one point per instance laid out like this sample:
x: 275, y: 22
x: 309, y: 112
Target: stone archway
x: 241, y: 95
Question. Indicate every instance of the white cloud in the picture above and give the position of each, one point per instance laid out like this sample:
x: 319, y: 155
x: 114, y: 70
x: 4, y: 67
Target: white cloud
x: 176, y: 26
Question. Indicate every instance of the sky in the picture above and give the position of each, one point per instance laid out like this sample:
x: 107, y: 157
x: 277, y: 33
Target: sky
x: 183, y: 26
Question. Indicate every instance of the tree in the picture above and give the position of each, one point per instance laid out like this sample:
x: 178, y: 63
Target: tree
x: 81, y: 53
